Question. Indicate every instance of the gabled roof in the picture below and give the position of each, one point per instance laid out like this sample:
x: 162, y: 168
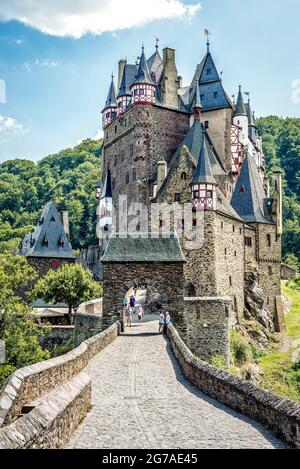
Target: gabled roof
x: 111, y: 97
x: 249, y: 198
x: 213, y: 95
x: 49, y: 238
x: 203, y: 172
x: 143, y: 74
x: 144, y: 249
x: 107, y: 187
x: 128, y: 78
x: 240, y: 109
x: 155, y: 65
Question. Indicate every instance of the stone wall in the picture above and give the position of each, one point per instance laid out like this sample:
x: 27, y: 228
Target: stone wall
x: 167, y: 278
x: 280, y: 415
x: 29, y: 383
x: 205, y: 326
x: 89, y: 320
x: 135, y: 142
x: 52, y: 420
x: 42, y: 264
x: 219, y: 131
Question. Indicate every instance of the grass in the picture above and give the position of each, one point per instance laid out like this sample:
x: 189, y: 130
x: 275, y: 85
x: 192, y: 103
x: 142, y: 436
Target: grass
x: 281, y: 374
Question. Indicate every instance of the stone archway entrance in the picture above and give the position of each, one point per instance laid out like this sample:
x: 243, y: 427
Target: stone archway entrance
x: 158, y: 262
x: 148, y: 293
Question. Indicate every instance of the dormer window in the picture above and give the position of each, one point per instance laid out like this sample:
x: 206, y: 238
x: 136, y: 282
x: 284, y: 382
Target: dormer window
x: 61, y: 243
x: 45, y: 242
x: 215, y: 94
x: 208, y: 71
x: 183, y: 176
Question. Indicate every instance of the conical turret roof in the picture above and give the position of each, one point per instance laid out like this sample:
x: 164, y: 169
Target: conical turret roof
x: 143, y: 74
x: 203, y: 172
x: 240, y: 109
x: 107, y: 187
x: 111, y: 97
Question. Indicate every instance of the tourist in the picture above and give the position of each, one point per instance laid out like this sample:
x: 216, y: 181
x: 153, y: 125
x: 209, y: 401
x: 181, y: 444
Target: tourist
x: 140, y: 312
x: 128, y: 315
x: 132, y: 301
x: 167, y: 321
x: 161, y: 322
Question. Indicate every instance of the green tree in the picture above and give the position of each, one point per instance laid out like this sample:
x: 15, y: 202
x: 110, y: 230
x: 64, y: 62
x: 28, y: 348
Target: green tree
x: 17, y: 328
x: 71, y: 284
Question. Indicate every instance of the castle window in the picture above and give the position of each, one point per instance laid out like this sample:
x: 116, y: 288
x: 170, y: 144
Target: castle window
x: 225, y: 251
x: 242, y: 189
x: 208, y: 71
x: 269, y: 240
x: 194, y: 221
x: 222, y: 225
x: 230, y: 281
x: 183, y: 175
x: 248, y: 241
x: 234, y: 253
x: 233, y: 228
x: 177, y: 197
x: 134, y: 174
x: 270, y: 270
x: 127, y: 178
x: 240, y: 230
x: 215, y: 94
x: 61, y: 242
x: 206, y: 124
x: 161, y: 223
x: 45, y: 242
x: 116, y: 129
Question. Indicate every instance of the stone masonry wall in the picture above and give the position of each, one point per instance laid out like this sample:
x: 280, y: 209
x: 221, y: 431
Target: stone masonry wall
x: 167, y: 278
x: 135, y: 142
x: 27, y: 384
x: 280, y: 415
x: 42, y: 264
x: 89, y: 320
x: 206, y: 326
x: 53, y: 418
x: 57, y: 336
x: 219, y: 131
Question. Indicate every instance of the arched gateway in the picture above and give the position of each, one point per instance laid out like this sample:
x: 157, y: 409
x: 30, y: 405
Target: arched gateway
x: 153, y: 262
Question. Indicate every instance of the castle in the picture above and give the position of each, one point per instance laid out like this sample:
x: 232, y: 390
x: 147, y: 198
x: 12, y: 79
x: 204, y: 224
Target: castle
x: 166, y: 144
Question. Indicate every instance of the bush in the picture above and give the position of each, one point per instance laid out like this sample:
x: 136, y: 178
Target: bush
x: 219, y: 362
x: 240, y: 349
x: 5, y: 372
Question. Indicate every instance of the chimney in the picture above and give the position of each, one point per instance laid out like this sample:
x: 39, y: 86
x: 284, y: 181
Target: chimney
x: 122, y: 64
x: 277, y: 201
x: 180, y: 82
x: 162, y: 170
x: 169, y: 80
x: 65, y: 222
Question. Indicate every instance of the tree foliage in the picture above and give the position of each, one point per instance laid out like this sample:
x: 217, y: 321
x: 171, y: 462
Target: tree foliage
x: 281, y: 142
x: 71, y: 284
x: 19, y: 332
x: 68, y: 178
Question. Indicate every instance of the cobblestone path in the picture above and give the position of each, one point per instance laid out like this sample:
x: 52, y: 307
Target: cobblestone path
x: 142, y: 400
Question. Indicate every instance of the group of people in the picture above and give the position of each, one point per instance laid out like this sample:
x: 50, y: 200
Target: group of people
x: 164, y: 320
x: 131, y: 309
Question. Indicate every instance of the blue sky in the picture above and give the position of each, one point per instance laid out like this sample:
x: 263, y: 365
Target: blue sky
x: 57, y: 67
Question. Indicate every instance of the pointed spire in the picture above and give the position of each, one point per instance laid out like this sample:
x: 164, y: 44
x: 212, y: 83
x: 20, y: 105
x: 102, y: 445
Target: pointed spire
x: 203, y: 173
x: 157, y: 44
x: 111, y: 97
x: 240, y: 109
x: 107, y: 187
x: 143, y: 74
x: 198, y: 105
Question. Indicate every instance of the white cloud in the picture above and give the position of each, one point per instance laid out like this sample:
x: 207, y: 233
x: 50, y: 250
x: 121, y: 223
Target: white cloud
x: 296, y: 91
x: 98, y: 135
x: 45, y: 63
x: 77, y: 18
x: 19, y: 42
x: 10, y: 127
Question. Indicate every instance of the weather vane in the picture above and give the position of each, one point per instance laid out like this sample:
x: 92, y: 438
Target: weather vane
x: 207, y: 34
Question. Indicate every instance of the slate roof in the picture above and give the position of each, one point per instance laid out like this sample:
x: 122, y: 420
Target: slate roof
x: 213, y: 95
x: 155, y: 65
x: 203, y: 172
x: 240, y: 109
x: 143, y: 250
x: 111, y: 97
x: 143, y: 74
x: 128, y: 78
x: 49, y: 228
x: 248, y: 198
x: 107, y: 187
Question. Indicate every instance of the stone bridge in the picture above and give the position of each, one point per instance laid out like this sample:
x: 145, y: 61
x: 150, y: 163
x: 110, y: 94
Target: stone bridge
x: 147, y: 392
